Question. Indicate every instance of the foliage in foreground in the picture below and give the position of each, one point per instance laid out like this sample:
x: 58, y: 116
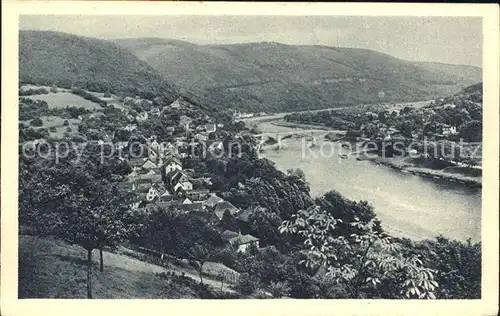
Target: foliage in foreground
x: 369, y: 263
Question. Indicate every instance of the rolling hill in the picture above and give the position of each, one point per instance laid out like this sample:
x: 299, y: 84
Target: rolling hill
x: 66, y: 60
x: 277, y: 77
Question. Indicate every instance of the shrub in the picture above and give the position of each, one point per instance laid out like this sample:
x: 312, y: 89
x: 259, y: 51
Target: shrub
x: 53, y: 129
x: 65, y: 123
x: 37, y: 122
x: 107, y: 95
x: 43, y: 91
x: 247, y: 284
x: 279, y: 289
x: 54, y: 89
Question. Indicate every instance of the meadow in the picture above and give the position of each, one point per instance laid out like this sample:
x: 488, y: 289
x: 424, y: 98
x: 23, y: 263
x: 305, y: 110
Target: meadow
x: 64, y: 99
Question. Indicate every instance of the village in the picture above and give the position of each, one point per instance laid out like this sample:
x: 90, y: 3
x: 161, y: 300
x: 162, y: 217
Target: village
x: 158, y: 177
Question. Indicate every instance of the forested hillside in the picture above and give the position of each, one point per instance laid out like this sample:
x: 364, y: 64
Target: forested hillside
x: 277, y: 77
x: 64, y: 60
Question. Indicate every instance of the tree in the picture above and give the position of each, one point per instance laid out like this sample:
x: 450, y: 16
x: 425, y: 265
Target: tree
x: 65, y: 123
x: 472, y: 131
x: 299, y: 173
x: 68, y: 202
x: 228, y: 222
x: 371, y: 130
x: 458, y: 265
x: 264, y: 224
x: 369, y: 263
x: 340, y: 207
x: 165, y: 231
x: 36, y: 122
x: 247, y: 284
x: 406, y: 129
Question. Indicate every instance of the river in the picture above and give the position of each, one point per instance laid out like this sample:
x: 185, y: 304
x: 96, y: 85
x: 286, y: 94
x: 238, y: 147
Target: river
x: 407, y: 205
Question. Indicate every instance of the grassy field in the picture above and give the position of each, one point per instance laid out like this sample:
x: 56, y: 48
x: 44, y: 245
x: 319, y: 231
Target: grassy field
x: 58, y: 270
x: 58, y: 123
x: 64, y: 99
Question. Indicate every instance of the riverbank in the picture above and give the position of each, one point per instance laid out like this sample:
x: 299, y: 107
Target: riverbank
x: 468, y: 176
x: 417, y: 166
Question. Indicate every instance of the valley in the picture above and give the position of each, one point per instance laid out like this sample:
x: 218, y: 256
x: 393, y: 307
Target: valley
x: 141, y: 173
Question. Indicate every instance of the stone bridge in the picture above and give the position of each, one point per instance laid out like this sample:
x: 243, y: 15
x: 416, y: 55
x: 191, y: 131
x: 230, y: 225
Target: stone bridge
x: 275, y: 138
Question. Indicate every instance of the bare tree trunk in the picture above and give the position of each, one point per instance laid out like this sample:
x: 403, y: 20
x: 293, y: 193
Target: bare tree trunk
x: 89, y: 273
x: 201, y: 272
x: 101, y: 262
x: 33, y: 246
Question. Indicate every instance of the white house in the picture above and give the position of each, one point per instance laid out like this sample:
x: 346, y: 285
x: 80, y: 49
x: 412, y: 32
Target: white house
x: 210, y: 128
x: 449, y: 130
x: 171, y: 164
x: 149, y: 164
x: 155, y: 111
x: 130, y: 127
x: 184, y: 185
x: 143, y: 116
x: 152, y: 194
x: 243, y: 242
x: 201, y: 136
x: 212, y: 201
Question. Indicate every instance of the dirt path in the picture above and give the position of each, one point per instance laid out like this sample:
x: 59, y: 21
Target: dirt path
x: 131, y: 264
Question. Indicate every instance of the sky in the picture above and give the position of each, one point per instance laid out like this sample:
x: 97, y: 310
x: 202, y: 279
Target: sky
x: 453, y: 40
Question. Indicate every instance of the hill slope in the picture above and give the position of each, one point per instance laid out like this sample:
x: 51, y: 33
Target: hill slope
x: 67, y: 60
x: 50, y: 268
x: 278, y: 77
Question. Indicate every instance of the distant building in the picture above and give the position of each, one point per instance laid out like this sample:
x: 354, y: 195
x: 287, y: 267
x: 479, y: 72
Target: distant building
x: 209, y: 128
x: 183, y: 185
x: 91, y: 116
x: 192, y: 207
x: 449, y: 130
x: 212, y: 201
x: 222, y: 207
x: 243, y: 242
x: 201, y: 136
x: 142, y: 164
x: 171, y: 164
x: 175, y: 105
x: 152, y: 194
x: 143, y: 116
x: 130, y: 127
x: 149, y: 164
x: 155, y: 111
